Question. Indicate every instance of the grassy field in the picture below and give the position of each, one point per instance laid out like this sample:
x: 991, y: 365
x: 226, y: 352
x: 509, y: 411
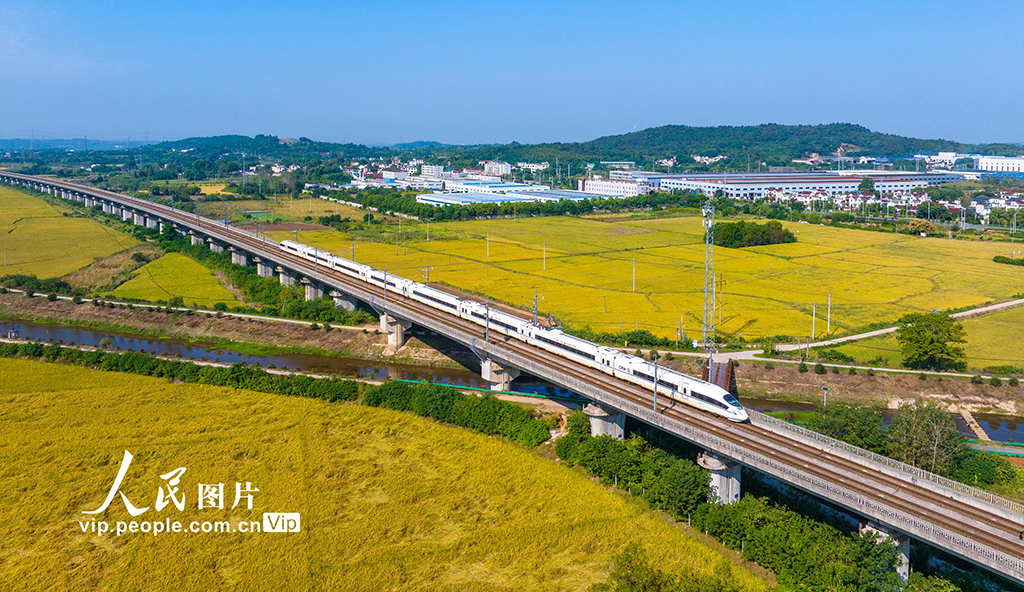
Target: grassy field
x: 39, y: 242
x: 283, y: 208
x: 587, y: 277
x: 992, y: 340
x: 388, y: 501
x: 175, y: 275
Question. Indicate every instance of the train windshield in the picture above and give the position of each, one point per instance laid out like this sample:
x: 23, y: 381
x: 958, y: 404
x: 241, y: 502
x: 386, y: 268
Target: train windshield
x: 732, y: 400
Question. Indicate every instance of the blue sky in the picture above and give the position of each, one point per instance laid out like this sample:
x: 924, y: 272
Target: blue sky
x: 479, y: 72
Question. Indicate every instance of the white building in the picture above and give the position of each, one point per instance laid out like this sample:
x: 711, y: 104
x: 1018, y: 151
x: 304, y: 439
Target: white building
x: 614, y: 187
x: 490, y: 187
x: 435, y: 171
x: 1001, y: 164
x: 497, y: 168
x: 394, y: 175
x: 533, y: 166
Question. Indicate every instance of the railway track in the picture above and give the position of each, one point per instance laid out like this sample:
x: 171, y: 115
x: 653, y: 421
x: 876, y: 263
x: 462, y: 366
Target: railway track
x: 975, y: 523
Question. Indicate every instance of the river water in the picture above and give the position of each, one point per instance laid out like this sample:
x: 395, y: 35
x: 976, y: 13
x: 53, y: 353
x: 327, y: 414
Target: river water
x: 1000, y: 428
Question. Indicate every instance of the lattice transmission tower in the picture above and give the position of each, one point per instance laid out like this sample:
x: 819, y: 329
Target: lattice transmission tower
x: 708, y: 333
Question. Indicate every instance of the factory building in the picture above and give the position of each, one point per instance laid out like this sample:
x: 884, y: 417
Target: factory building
x: 1001, y: 164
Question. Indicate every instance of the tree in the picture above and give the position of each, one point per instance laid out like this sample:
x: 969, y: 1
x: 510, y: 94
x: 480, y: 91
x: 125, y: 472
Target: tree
x: 857, y: 425
x: 924, y: 435
x: 927, y: 341
x: 867, y: 185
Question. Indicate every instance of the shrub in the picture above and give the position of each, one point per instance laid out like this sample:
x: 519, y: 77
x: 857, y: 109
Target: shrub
x: 976, y: 379
x: 820, y: 369
x: 77, y: 299
x: 995, y: 381
x: 52, y: 297
x: 1013, y: 381
x: 669, y: 357
x: 922, y: 376
x: 802, y: 367
x: 851, y: 371
x: 314, y: 326
x: 835, y: 370
x: 769, y: 366
x: 871, y: 371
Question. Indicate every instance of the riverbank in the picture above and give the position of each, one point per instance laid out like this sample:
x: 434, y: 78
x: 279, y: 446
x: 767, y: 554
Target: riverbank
x: 246, y: 334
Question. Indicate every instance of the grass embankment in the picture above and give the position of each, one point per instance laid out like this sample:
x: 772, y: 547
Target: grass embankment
x: 175, y: 275
x: 388, y: 500
x: 37, y: 241
x: 584, y: 269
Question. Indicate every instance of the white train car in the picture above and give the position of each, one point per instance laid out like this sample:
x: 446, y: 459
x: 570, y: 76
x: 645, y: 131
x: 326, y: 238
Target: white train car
x: 670, y: 383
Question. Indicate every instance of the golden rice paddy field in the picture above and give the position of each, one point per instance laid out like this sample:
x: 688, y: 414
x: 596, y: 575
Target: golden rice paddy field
x: 387, y: 501
x: 37, y: 241
x: 584, y: 270
x: 175, y: 275
x: 992, y: 340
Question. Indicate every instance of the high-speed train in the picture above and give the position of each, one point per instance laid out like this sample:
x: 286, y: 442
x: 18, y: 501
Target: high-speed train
x: 672, y: 384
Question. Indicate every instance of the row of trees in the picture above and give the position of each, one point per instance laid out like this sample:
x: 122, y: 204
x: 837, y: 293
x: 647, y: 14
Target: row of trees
x: 736, y: 235
x: 486, y: 414
x: 234, y: 376
x: 922, y: 434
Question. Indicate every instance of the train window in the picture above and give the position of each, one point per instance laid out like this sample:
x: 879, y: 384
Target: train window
x: 732, y: 400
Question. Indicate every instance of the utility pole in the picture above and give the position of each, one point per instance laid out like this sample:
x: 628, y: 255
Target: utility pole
x: 829, y: 329
x: 634, y: 275
x: 545, y: 256
x: 536, y: 295
x: 814, y: 317
x: 487, y: 320
x: 654, y: 358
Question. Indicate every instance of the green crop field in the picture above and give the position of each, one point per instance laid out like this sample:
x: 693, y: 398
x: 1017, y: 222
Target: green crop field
x: 992, y: 340
x: 284, y: 208
x: 587, y: 278
x: 37, y: 241
x: 388, y: 501
x: 175, y: 275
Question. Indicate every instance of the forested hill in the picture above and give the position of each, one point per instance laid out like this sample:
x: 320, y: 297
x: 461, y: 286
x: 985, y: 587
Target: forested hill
x: 769, y: 143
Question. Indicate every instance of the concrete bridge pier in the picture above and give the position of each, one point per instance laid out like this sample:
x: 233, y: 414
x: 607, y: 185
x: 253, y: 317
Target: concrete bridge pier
x: 285, y: 276
x: 342, y: 300
x: 396, y: 329
x: 896, y: 538
x: 152, y: 222
x: 500, y: 375
x: 314, y: 289
x: 725, y: 477
x: 138, y: 219
x: 605, y: 422
x: 263, y: 269
x: 196, y: 239
x: 238, y: 257
x: 215, y: 246
x: 126, y: 214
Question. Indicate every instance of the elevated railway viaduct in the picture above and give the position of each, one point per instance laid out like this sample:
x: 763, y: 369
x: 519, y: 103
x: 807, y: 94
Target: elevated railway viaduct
x: 895, y: 499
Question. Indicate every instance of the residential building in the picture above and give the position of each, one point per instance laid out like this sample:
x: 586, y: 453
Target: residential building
x: 432, y: 170
x: 497, y: 168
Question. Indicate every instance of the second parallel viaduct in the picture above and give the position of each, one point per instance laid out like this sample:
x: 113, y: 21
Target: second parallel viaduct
x: 898, y: 500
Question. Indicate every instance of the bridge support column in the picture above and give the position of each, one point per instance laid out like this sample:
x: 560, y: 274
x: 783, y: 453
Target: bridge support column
x: 215, y: 246
x: 500, y: 375
x: 138, y: 219
x: 896, y: 538
x: 396, y: 329
x: 343, y: 300
x: 263, y: 269
x: 152, y: 222
x: 238, y: 257
x: 285, y: 276
x: 314, y: 289
x: 606, y: 422
x: 725, y: 477
x: 197, y: 240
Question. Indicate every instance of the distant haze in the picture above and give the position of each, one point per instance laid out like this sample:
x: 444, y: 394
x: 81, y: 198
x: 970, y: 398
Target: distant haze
x: 481, y: 73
